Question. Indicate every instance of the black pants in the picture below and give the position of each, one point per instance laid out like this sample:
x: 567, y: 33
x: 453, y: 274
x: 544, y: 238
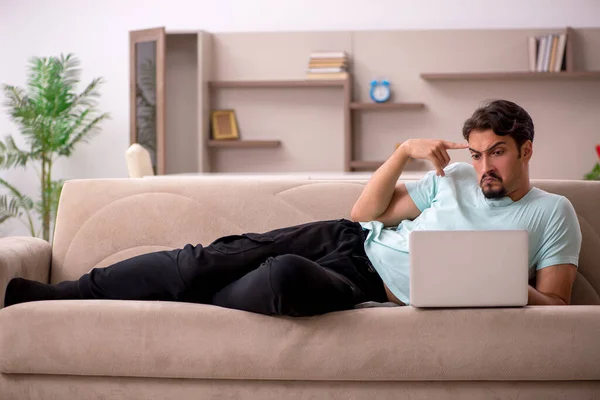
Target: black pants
x: 301, y: 270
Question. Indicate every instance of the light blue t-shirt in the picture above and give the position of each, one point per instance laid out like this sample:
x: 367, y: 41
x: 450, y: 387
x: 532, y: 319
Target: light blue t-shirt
x: 456, y: 202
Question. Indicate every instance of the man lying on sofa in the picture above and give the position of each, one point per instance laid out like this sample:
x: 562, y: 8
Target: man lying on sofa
x: 326, y: 266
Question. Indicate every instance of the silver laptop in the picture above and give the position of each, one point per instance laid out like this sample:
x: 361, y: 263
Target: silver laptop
x: 469, y: 268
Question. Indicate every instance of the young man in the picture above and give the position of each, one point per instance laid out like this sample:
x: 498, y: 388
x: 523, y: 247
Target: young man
x: 327, y: 266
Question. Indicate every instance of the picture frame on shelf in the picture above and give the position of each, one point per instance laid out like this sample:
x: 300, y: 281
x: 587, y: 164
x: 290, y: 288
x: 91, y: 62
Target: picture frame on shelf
x: 224, y: 125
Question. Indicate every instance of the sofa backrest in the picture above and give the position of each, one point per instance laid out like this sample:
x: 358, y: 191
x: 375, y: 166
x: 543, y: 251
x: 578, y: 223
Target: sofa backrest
x: 102, y: 221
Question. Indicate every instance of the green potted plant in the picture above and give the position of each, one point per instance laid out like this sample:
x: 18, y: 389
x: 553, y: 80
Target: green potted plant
x: 594, y: 175
x: 52, y: 118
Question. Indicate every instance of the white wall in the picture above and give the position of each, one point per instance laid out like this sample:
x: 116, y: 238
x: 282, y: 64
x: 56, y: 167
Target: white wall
x: 97, y: 32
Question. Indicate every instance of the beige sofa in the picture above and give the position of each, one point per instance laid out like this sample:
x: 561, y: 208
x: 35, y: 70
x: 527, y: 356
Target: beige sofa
x: 161, y: 350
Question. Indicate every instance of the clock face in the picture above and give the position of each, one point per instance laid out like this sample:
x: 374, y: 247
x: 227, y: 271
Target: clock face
x: 381, y: 92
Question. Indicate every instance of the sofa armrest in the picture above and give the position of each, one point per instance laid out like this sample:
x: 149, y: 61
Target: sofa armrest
x: 26, y: 257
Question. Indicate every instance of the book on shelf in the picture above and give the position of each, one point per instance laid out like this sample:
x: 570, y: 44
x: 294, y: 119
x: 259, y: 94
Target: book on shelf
x: 328, y: 65
x: 561, y: 62
x: 327, y: 70
x: 547, y: 53
x: 326, y: 76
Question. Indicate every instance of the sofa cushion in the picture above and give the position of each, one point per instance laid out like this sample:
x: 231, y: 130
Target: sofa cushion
x: 179, y: 340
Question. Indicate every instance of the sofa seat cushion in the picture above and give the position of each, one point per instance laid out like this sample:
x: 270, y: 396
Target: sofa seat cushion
x: 178, y: 340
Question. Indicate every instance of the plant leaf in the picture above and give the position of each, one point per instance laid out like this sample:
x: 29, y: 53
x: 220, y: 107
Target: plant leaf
x: 11, y: 156
x: 84, y: 135
x: 24, y: 201
x: 594, y: 175
x: 9, y: 208
x: 88, y: 95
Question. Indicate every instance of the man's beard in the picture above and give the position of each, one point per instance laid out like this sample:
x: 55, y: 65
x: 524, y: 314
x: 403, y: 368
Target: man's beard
x: 488, y: 191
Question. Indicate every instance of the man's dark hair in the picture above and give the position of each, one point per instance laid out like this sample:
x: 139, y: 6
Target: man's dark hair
x: 504, y: 118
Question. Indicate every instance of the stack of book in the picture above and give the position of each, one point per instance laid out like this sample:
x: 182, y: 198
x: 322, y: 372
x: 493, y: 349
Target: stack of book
x: 547, y: 53
x: 328, y: 65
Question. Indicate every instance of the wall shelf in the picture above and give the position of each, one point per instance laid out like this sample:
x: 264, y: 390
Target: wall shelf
x: 518, y: 75
x: 244, y: 144
x: 386, y: 106
x: 303, y: 83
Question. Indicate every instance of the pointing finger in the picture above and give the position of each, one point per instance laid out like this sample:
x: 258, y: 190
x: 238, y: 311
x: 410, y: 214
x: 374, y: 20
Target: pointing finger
x: 455, y: 146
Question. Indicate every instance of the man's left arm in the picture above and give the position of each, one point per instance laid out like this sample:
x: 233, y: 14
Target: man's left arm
x: 553, y: 286
x: 559, y: 256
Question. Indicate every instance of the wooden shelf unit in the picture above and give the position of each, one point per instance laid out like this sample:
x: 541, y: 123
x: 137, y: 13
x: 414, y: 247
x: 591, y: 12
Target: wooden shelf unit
x: 186, y: 61
x: 244, y: 144
x: 517, y: 75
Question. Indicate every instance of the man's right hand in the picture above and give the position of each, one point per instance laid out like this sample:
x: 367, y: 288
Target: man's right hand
x: 433, y: 150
